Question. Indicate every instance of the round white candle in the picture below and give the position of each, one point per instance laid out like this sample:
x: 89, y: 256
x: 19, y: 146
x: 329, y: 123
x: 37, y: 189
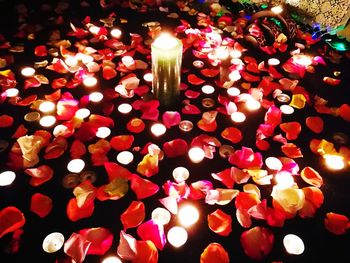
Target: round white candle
x: 273, y: 163
x: 177, y: 236
x: 103, y: 132
x: 28, y: 71
x: 94, y: 30
x: 71, y: 61
x: 124, y: 108
x: 238, y: 117
x: 161, y: 216
x: 96, y: 96
x: 116, y: 33
x: 7, y: 178
x: 208, y: 89
x: 302, y: 60
x: 188, y: 215
x: 47, y: 121
x: 47, y: 106
x: 196, y: 154
x: 284, y: 179
x: 148, y: 77
x: 158, y: 129
x: 128, y: 61
x: 234, y: 75
x: 86, y: 59
x: 286, y: 109
x: 12, y: 92
x: 111, y: 259
x: 90, y: 81
x: 235, y: 54
x: 273, y: 62
x: 233, y: 91
x: 82, y: 113
x: 252, y: 104
x: 186, y: 125
x: 53, y: 242
x: 334, y: 162
x: 293, y: 244
x: 125, y: 157
x: 76, y: 166
x: 180, y: 174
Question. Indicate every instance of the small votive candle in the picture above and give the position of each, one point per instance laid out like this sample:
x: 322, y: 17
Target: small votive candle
x: 177, y: 236
x: 47, y: 106
x: 166, y: 69
x: 293, y: 244
x: 158, y: 129
x: 161, y: 216
x: 12, y: 92
x: 94, y: 30
x: 76, y: 165
x: 252, y: 104
x: 116, y: 33
x: 28, y: 71
x: 103, y: 132
x: 286, y: 109
x: 273, y: 163
x: 125, y: 157
x: 238, y: 117
x: 148, y: 77
x: 284, y: 179
x: 334, y: 161
x: 208, y: 89
x: 196, y: 154
x: 7, y: 178
x: 235, y: 54
x: 47, y: 121
x: 53, y: 242
x: 233, y: 91
x: 302, y: 60
x: 124, y: 108
x: 188, y: 215
x: 90, y: 81
x: 186, y: 125
x: 96, y: 96
x: 277, y: 9
x: 128, y: 61
x: 112, y: 259
x: 82, y: 113
x: 180, y: 174
x: 273, y: 62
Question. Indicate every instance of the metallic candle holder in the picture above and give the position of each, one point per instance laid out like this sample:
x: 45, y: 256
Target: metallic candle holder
x: 166, y: 69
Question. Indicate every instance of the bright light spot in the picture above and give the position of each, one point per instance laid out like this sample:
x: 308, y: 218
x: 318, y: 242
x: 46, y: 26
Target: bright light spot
x: 252, y: 104
x: 165, y: 42
x: 302, y: 60
x: 233, y: 91
x: 273, y: 163
x: 158, y: 129
x: 196, y: 154
x: 53, y: 242
x: 222, y: 53
x: 234, y: 75
x: 188, y: 215
x: 125, y: 157
x: 128, y: 61
x: 28, y: 72
x: 273, y: 62
x: 286, y: 109
x: 7, y: 178
x: 148, y: 77
x: 76, y: 165
x: 47, y: 121
x: 90, y: 81
x: 161, y: 216
x: 277, y: 9
x: 334, y: 162
x: 82, y: 113
x: 12, y: 92
x: 103, y: 132
x: 86, y: 59
x: 238, y: 117
x: 112, y: 259
x: 94, y: 30
x: 284, y: 179
x: 180, y: 174
x: 186, y: 125
x: 293, y: 244
x: 71, y: 61
x: 47, y: 106
x: 177, y: 236
x: 235, y: 54
x: 96, y: 96
x: 116, y: 33
x: 124, y: 108
x: 208, y: 89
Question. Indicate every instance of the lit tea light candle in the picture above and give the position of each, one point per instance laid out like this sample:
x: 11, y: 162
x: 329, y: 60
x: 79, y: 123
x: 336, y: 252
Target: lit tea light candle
x: 286, y: 109
x: 198, y: 64
x: 86, y: 59
x: 188, y: 215
x: 161, y: 216
x: 234, y: 75
x: 76, y: 166
x: 94, y: 30
x: 293, y: 244
x: 235, y: 54
x: 208, y: 89
x: 148, y: 77
x: 180, y: 174
x: 90, y: 81
x: 166, y: 69
x: 277, y: 9
x: 233, y: 91
x: 7, y: 178
x: 128, y: 61
x: 103, y: 132
x: 71, y: 61
x: 158, y: 129
x: 82, y: 113
x: 302, y: 60
x: 284, y: 179
x: 96, y: 96
x: 47, y: 121
x: 124, y: 108
x: 196, y: 154
x: 53, y: 242
x: 116, y: 33
x: 238, y: 117
x: 28, y: 71
x: 47, y: 106
x: 273, y: 62
x: 186, y: 125
x: 252, y: 104
x: 273, y: 163
x: 125, y: 157
x: 111, y: 259
x: 334, y: 161
x: 12, y: 92
x: 177, y: 236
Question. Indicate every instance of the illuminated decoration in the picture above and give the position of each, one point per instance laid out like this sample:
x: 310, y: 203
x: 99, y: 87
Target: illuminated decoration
x: 234, y: 75
x: 161, y: 216
x: 196, y: 154
x: 125, y: 108
x: 284, y: 179
x: 235, y: 54
x: 158, y: 129
x: 302, y: 60
x: 180, y: 174
x: 148, y: 77
x: 188, y: 215
x: 293, y: 244
x: 28, y: 72
x: 186, y: 125
x: 233, y: 91
x: 12, y: 92
x: 82, y: 113
x: 286, y: 109
x: 128, y: 61
x: 277, y: 9
x: 252, y: 104
x: 208, y: 89
x: 116, y: 33
x: 273, y: 62
x: 238, y: 117
x: 47, y: 121
x: 112, y: 259
x: 103, y: 132
x: 125, y: 157
x: 53, y: 242
x: 76, y: 165
x: 90, y: 81
x: 96, y: 96
x: 7, y: 178
x: 334, y: 161
x: 177, y: 236
x: 273, y: 163
x: 94, y: 30
x: 71, y: 61
x: 47, y: 106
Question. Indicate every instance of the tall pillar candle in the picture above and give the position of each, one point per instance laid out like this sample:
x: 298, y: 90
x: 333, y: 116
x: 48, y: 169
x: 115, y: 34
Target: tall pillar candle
x: 166, y: 69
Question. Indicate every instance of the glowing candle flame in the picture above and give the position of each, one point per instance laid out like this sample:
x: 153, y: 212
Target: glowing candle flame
x: 188, y: 215
x: 177, y: 236
x: 196, y: 154
x: 293, y: 244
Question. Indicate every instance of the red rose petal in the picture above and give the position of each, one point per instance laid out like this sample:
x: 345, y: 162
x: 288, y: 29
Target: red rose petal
x: 225, y: 177
x: 232, y: 134
x: 143, y: 188
x: 220, y: 222
x: 58, y: 83
x: 190, y: 109
x: 31, y: 82
x: 273, y: 116
x: 40, y: 51
x: 257, y: 242
x: 152, y: 232
x: 39, y: 175
x: 246, y: 158
x: 101, y: 240
x: 245, y: 201
x: 122, y: 142
x: 127, y: 246
x: 175, y: 148
x: 249, y: 77
x: 146, y: 252
x: 6, y: 121
x: 336, y: 223
x: 194, y: 80
x: 344, y: 112
x: 210, y: 73
x: 171, y: 118
x: 77, y: 149
x: 134, y: 215
x: 313, y: 200
x: 311, y: 176
x: 199, y: 189
x: 76, y: 247
x: 331, y: 81
x: 315, y: 124
x: 291, y: 150
x: 41, y: 205
x: 108, y: 72
x: 136, y: 125
x: 11, y: 219
x: 21, y: 131
x: 214, y: 253
x: 191, y: 94
x: 292, y: 129
x: 75, y: 213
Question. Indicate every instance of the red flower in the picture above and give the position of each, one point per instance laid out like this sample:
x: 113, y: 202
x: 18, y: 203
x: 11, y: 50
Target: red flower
x: 143, y: 188
x: 220, y: 222
x: 175, y: 148
x: 101, y: 240
x: 152, y: 232
x: 315, y: 124
x: 11, y: 219
x: 311, y: 176
x: 41, y: 205
x: 292, y: 129
x: 133, y: 215
x: 336, y: 223
x: 122, y: 142
x: 6, y: 121
x: 214, y: 253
